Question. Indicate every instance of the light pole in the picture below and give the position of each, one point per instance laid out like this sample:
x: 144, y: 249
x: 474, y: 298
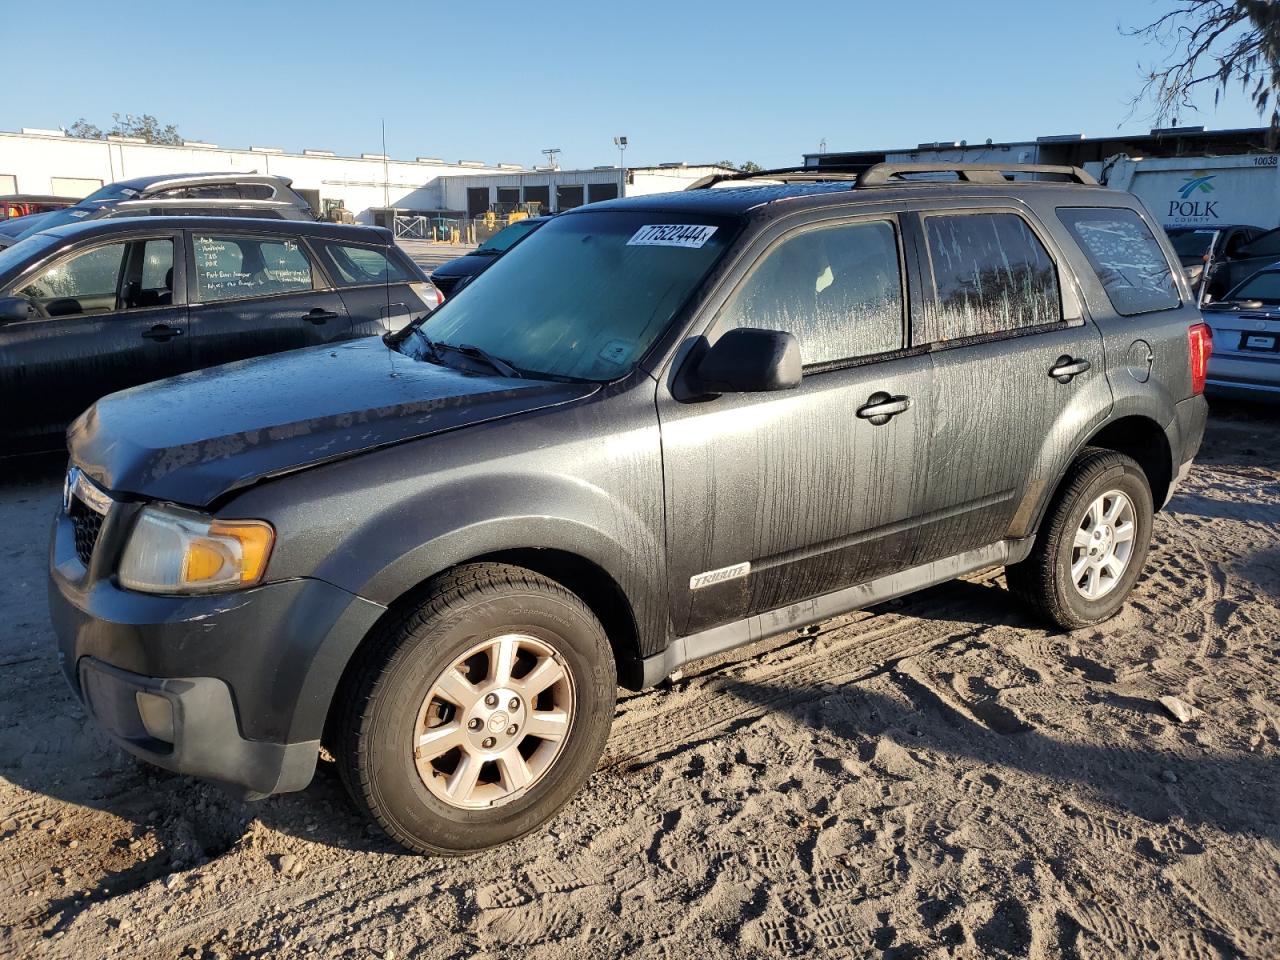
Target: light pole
x: 551, y: 155
x: 621, y: 144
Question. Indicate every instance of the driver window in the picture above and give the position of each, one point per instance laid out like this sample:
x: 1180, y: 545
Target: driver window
x: 85, y: 284
x: 837, y: 289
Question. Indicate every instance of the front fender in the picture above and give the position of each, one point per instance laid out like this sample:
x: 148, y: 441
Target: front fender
x: 459, y: 525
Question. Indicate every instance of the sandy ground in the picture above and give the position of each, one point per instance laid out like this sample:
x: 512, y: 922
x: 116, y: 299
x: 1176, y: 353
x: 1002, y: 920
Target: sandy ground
x: 938, y: 777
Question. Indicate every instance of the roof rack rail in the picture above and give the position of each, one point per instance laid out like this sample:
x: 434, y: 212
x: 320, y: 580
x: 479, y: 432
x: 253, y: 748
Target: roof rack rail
x: 888, y: 174
x: 825, y: 173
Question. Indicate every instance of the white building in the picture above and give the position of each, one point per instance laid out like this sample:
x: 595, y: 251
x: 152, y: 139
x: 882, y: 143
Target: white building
x: 49, y: 162
x: 557, y: 190
x: 371, y: 186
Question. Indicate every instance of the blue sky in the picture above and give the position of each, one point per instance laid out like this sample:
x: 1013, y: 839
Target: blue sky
x: 498, y: 81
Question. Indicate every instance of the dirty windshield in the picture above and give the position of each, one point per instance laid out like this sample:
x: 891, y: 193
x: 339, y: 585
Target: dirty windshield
x: 586, y: 295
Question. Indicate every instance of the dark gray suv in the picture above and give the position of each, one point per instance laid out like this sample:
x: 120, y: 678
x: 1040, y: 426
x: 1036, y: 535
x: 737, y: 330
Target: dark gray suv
x: 660, y: 428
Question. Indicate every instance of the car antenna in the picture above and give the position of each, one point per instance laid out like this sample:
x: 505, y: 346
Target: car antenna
x: 386, y: 269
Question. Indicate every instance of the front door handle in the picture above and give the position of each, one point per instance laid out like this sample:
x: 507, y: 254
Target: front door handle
x: 162, y: 332
x: 1065, y: 368
x: 320, y: 316
x: 880, y: 408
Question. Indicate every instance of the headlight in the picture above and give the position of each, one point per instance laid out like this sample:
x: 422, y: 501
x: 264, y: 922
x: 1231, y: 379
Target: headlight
x: 179, y: 551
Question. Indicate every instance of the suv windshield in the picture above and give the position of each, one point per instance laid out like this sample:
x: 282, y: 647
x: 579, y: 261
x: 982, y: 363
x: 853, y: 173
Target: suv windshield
x: 1263, y: 286
x: 505, y: 238
x: 58, y: 218
x: 112, y: 191
x: 1191, y: 243
x: 587, y: 295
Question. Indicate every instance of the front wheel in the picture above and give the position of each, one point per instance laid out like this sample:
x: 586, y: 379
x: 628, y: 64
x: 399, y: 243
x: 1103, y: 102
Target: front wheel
x: 1092, y: 544
x: 479, y: 712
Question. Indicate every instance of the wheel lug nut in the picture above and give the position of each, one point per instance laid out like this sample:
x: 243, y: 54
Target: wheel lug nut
x: 491, y: 700
x: 514, y: 704
x: 474, y: 723
x: 511, y: 730
x: 487, y: 742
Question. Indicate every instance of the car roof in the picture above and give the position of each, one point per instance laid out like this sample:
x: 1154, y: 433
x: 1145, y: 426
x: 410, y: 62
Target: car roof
x: 312, y: 228
x: 34, y: 198
x: 194, y: 179
x: 794, y: 189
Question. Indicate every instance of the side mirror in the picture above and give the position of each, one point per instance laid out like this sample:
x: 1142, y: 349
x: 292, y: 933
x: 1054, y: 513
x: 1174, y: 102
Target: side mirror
x: 751, y: 361
x: 15, y: 309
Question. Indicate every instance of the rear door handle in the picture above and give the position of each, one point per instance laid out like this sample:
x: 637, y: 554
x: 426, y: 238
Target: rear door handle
x: 1066, y: 367
x: 162, y: 332
x: 320, y: 316
x: 880, y: 408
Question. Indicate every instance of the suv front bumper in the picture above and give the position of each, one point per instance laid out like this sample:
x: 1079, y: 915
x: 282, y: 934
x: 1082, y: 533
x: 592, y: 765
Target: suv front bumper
x: 234, y: 687
x: 189, y: 726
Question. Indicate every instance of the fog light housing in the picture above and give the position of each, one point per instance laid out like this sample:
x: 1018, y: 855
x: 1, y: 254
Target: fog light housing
x: 156, y: 713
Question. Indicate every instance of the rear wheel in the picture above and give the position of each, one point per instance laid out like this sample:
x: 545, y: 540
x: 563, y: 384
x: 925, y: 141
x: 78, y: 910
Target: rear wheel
x: 1092, y: 544
x: 479, y: 712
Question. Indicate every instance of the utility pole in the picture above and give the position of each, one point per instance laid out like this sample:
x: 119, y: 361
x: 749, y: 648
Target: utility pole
x: 386, y: 183
x: 621, y: 144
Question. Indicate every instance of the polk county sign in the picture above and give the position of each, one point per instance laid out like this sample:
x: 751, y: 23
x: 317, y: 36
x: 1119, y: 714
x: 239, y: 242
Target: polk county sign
x: 1201, y: 191
x: 1192, y: 204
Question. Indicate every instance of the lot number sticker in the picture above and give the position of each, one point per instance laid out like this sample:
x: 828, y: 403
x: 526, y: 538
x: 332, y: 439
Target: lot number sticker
x: 671, y: 235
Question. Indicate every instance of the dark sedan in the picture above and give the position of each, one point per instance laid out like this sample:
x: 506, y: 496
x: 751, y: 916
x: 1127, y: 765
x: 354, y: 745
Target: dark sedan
x: 452, y: 276
x: 1232, y: 266
x: 1205, y: 247
x: 94, y: 307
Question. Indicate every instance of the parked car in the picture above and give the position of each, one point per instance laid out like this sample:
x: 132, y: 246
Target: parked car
x: 94, y: 307
x: 1230, y: 268
x: 199, y: 194
x: 14, y: 206
x: 1246, y: 339
x: 452, y: 276
x: 1200, y: 247
x: 660, y: 428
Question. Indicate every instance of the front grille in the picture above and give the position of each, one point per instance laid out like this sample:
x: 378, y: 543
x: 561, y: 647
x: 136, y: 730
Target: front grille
x: 87, y: 525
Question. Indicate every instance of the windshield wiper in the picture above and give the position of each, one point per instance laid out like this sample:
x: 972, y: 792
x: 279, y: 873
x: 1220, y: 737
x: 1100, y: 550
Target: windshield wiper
x: 484, y: 356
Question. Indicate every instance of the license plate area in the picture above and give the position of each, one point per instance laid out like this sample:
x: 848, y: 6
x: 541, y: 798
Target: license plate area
x: 1260, y: 342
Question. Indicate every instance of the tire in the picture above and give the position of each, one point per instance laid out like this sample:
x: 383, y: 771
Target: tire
x: 385, y: 711
x: 1044, y: 579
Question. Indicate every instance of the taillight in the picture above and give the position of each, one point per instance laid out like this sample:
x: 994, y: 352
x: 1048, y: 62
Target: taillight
x: 1200, y: 347
x: 428, y: 293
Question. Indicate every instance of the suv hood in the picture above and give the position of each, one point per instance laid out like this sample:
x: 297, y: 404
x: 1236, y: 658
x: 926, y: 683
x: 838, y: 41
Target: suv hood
x: 195, y: 437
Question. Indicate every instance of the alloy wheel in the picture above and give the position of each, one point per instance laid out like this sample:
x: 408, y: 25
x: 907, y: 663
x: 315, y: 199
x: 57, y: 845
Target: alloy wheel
x: 494, y: 722
x: 1103, y: 545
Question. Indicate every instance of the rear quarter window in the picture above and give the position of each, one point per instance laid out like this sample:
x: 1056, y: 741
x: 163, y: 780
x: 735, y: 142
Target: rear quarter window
x: 1127, y: 258
x: 354, y: 265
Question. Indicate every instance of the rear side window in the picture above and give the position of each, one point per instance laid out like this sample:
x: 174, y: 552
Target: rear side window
x: 1126, y: 257
x: 233, y: 268
x: 353, y: 265
x: 837, y: 289
x: 991, y: 275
